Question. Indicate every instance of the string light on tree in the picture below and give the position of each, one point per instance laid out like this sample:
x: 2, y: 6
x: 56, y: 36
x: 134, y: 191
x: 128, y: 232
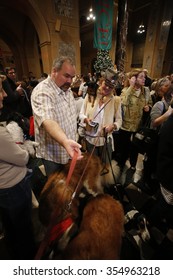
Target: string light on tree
x: 103, y: 61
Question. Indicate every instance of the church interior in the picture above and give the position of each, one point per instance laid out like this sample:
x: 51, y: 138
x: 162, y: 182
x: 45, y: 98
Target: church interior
x: 32, y: 32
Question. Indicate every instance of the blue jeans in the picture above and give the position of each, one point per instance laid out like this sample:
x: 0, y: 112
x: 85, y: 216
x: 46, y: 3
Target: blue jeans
x: 15, y: 207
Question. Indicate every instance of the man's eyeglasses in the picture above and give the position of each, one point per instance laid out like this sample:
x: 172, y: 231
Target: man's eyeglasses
x: 11, y: 73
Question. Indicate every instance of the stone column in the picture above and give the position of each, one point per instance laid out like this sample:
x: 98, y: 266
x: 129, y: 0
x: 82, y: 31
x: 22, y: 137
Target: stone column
x: 157, y: 36
x: 46, y: 56
x: 121, y: 35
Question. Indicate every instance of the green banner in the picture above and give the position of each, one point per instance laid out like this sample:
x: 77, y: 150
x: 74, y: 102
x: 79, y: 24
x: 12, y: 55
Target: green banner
x: 103, y: 24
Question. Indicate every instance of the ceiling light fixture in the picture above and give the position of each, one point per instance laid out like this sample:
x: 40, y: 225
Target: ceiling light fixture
x: 91, y: 16
x: 141, y: 29
x: 166, y: 23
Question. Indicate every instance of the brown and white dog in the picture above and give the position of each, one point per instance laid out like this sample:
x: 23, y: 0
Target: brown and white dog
x: 100, y: 232
x: 89, y: 171
x: 101, y: 228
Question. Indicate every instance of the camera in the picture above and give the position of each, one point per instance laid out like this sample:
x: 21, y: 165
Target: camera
x: 93, y: 124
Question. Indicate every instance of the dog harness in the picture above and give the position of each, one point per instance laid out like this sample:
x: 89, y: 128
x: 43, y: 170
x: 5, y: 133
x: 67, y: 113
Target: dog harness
x: 58, y: 230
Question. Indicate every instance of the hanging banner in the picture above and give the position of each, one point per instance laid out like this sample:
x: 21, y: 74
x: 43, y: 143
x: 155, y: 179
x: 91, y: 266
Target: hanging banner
x: 103, y: 24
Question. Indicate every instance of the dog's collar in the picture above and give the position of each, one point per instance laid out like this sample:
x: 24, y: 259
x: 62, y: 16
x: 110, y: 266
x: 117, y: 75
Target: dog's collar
x: 21, y: 143
x: 58, y: 230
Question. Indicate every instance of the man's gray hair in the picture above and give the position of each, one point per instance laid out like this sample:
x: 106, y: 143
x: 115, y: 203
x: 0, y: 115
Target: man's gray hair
x: 58, y: 62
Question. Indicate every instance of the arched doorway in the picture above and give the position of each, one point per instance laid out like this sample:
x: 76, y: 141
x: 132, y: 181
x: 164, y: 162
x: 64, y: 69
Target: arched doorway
x: 25, y: 32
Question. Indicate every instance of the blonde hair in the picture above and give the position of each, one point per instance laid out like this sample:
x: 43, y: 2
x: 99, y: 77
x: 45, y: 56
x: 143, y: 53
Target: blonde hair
x: 162, y: 81
x: 129, y: 75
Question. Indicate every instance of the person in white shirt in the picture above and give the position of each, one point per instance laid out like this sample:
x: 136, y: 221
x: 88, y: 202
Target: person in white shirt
x: 103, y: 113
x: 83, y: 86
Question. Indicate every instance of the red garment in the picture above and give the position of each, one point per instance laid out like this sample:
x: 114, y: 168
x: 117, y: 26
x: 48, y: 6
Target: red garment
x: 31, y: 126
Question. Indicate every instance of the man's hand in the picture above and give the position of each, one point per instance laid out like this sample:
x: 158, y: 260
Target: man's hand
x: 72, y: 146
x: 19, y: 89
x: 56, y: 132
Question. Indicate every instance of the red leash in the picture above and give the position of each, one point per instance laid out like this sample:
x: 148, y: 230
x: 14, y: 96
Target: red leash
x: 72, y: 166
x: 46, y: 241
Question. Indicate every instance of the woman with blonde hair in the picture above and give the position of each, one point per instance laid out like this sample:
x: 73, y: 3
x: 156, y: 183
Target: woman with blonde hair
x: 161, y: 86
x: 137, y: 103
x: 101, y: 115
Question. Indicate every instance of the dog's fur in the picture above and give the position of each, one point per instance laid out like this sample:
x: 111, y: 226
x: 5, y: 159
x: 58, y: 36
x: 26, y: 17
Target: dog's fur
x: 55, y: 191
x: 137, y: 221
x: 18, y: 126
x: 22, y: 122
x: 103, y: 216
x: 100, y: 232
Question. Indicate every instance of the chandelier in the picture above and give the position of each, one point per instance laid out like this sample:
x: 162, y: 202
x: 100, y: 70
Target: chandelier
x: 141, y: 29
x: 91, y: 16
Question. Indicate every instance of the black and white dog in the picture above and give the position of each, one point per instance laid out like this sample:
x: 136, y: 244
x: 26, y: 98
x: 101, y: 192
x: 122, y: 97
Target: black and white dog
x: 18, y: 127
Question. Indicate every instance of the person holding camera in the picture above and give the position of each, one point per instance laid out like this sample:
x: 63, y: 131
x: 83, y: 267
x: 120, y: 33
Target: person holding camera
x: 101, y: 115
x: 137, y: 103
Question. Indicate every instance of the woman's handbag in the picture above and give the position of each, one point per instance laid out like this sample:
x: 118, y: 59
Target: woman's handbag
x: 145, y: 139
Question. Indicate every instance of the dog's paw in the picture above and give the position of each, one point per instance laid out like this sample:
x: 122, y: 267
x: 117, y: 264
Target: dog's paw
x: 30, y: 146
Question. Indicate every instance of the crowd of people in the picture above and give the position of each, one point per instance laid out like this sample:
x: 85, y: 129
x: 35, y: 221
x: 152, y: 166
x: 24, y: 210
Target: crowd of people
x: 66, y: 109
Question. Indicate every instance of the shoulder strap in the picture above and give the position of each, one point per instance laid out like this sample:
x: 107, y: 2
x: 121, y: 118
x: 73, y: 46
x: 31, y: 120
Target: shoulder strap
x: 163, y: 111
x: 164, y: 108
x: 103, y: 107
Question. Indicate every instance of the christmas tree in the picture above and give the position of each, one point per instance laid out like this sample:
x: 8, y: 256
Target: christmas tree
x: 103, y: 61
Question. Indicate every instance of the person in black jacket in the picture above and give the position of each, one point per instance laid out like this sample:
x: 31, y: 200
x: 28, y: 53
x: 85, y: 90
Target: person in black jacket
x: 161, y: 214
x: 14, y: 92
x: 148, y: 80
x: 164, y: 206
x: 165, y: 161
x: 18, y: 96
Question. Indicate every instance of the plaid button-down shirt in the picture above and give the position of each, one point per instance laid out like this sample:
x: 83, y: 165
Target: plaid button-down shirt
x: 49, y: 102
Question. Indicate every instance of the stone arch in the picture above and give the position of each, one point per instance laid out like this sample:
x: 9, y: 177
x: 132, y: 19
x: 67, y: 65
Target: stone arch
x: 15, y: 32
x: 34, y: 13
